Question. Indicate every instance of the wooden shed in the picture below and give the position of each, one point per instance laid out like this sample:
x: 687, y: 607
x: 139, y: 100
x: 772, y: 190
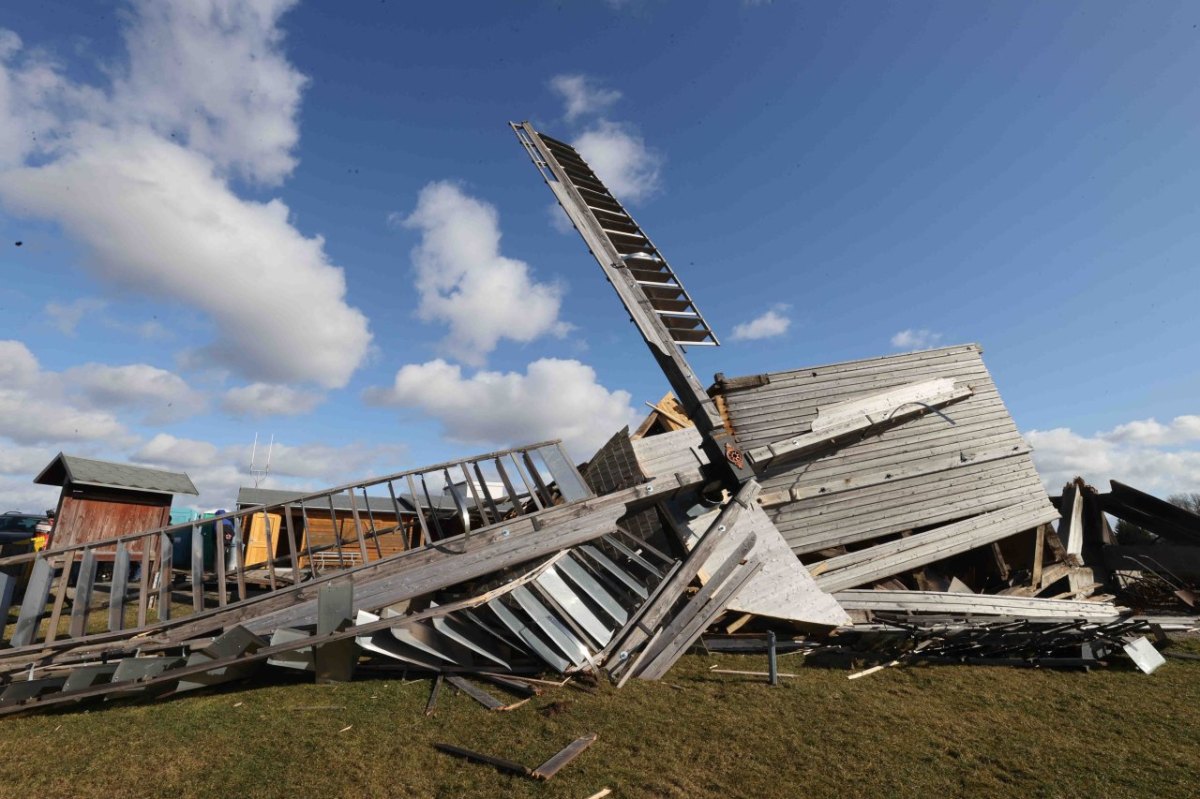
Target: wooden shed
x: 102, y: 500
x: 328, y: 530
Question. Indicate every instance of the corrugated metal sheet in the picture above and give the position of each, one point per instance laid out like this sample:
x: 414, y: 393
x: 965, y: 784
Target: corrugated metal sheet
x: 916, y: 480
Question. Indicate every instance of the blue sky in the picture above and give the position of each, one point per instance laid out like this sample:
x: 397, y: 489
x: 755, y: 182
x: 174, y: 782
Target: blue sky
x: 311, y: 220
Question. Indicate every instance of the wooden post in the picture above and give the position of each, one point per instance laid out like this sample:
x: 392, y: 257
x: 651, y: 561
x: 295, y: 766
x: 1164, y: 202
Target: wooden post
x: 1039, y: 552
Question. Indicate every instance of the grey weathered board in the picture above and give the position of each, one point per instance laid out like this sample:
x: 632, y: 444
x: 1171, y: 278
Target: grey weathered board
x: 956, y: 603
x: 782, y: 588
x: 902, y: 493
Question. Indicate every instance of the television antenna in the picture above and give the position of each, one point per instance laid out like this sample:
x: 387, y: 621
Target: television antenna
x: 260, y: 475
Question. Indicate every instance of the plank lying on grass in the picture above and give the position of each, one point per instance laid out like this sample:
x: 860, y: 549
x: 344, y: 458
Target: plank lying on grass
x: 564, y: 756
x: 477, y: 757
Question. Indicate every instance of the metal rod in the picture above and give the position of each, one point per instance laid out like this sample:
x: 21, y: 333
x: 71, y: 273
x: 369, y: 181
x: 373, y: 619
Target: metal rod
x: 166, y: 550
x: 239, y: 548
x: 772, y: 664
x: 219, y: 563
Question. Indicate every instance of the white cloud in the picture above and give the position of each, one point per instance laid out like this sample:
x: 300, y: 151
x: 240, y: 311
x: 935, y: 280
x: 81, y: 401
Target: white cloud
x: 464, y: 281
x: 218, y: 472
x: 163, y: 396
x: 67, y: 316
x: 768, y: 325
x: 168, y: 451
x: 1144, y: 453
x: 30, y: 419
x: 267, y: 399
x: 25, y: 460
x: 214, y: 72
x: 582, y: 95
x: 620, y: 158
x: 916, y: 339
x: 1180, y: 430
x: 33, y: 410
x: 139, y: 175
x: 559, y: 219
x: 18, y: 366
x: 552, y: 399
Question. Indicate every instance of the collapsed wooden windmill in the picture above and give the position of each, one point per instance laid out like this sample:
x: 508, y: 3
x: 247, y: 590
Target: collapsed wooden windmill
x: 785, y: 497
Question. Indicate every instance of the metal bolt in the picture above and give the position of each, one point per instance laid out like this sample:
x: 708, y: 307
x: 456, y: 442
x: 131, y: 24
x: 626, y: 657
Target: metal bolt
x: 650, y: 489
x: 720, y: 528
x: 505, y: 532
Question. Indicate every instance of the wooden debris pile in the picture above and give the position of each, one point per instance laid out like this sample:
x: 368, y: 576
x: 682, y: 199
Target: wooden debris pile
x: 887, y: 503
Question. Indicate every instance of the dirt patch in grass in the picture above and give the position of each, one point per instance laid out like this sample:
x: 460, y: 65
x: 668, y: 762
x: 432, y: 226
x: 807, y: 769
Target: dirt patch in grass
x: 934, y: 732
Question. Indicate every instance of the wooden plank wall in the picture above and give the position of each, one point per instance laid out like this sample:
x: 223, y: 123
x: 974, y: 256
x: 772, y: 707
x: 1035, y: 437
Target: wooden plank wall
x: 92, y: 516
x: 904, y: 494
x: 323, y: 531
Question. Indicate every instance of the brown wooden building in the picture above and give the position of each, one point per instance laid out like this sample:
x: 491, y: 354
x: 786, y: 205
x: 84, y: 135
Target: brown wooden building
x: 102, y: 500
x: 319, y: 528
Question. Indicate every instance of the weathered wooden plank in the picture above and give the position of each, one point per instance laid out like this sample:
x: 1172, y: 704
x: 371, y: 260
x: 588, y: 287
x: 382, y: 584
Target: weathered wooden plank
x: 876, y: 454
x: 783, y: 588
x: 836, y: 574
x: 954, y: 603
x: 568, y: 753
x: 33, y: 604
x: 475, y: 692
x: 120, y: 584
x: 808, y: 397
x: 973, y: 409
x: 477, y: 757
x: 655, y: 610
x: 921, y: 511
x: 60, y: 596
x: 697, y: 603
x: 885, y: 364
x: 83, y: 593
x: 917, y: 468
x: 434, y: 690
x: 979, y: 477
x: 687, y: 637
x: 848, y: 425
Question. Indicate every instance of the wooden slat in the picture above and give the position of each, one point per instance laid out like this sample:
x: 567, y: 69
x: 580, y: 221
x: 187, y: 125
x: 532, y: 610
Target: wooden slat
x: 197, y: 563
x: 358, y: 530
x: 568, y: 753
x: 954, y: 603
x: 166, y: 552
x: 116, y: 598
x: 222, y: 577
x: 895, y: 557
x: 33, y: 604
x: 60, y: 596
x: 702, y: 620
x: 147, y: 567
x: 655, y: 610
x: 83, y: 593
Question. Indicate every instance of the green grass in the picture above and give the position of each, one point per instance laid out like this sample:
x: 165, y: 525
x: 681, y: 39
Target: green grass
x: 935, y: 732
